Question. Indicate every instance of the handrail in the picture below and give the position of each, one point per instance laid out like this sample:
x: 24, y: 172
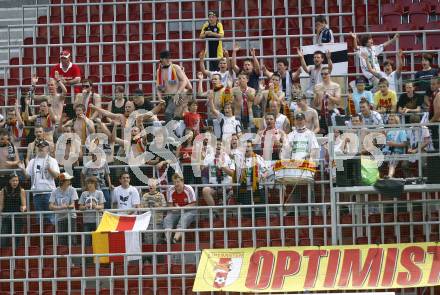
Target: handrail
x: 232, y: 38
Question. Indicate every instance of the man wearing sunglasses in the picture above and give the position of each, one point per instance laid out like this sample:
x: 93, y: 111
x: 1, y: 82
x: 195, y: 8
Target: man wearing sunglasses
x: 67, y: 72
x: 314, y: 71
x: 87, y: 98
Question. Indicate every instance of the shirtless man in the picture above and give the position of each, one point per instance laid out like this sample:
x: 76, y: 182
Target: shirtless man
x: 273, y: 93
x: 14, y: 124
x: 312, y: 119
x: 32, y: 147
x: 314, y: 71
x: 88, y: 97
x: 54, y: 98
x: 46, y: 118
x: 243, y: 99
x: 170, y: 82
x: 81, y: 125
x: 218, y: 92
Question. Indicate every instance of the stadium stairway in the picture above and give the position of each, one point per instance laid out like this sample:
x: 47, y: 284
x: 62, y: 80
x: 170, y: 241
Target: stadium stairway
x: 11, y: 13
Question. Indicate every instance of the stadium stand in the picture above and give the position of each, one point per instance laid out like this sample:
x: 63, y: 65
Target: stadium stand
x: 118, y: 44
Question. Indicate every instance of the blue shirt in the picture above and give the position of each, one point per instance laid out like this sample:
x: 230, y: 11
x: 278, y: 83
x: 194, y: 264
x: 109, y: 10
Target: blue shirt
x: 357, y: 98
x: 325, y: 36
x: 398, y: 136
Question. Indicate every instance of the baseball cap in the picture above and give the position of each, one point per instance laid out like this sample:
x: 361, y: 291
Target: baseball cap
x: 300, y: 116
x: 42, y: 143
x: 360, y: 80
x: 65, y: 176
x: 65, y: 54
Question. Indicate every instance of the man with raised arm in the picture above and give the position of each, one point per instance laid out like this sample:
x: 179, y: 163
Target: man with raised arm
x: 55, y: 98
x: 314, y: 71
x: 224, y: 64
x: 251, y: 67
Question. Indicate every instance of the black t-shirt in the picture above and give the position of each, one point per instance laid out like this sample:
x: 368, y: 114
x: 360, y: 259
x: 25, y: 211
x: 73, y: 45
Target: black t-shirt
x: 254, y: 81
x: 423, y: 78
x: 148, y: 106
x: 116, y: 110
x: 12, y: 200
x: 410, y: 103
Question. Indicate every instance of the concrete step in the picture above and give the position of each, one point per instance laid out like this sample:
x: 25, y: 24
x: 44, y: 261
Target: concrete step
x: 20, y: 3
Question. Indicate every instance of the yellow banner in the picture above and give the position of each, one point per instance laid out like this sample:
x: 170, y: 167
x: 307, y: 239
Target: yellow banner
x: 290, y: 269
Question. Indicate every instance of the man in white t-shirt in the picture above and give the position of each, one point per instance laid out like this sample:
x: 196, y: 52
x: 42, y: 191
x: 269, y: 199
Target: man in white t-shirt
x: 43, y: 169
x: 302, y: 146
x: 126, y: 196
x: 225, y: 124
x: 218, y: 168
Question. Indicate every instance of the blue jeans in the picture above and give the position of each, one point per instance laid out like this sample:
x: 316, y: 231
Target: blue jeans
x: 108, y: 201
x: 41, y: 203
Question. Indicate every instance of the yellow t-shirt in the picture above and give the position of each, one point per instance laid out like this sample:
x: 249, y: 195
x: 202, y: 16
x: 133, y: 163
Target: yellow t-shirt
x: 387, y: 102
x: 215, y: 43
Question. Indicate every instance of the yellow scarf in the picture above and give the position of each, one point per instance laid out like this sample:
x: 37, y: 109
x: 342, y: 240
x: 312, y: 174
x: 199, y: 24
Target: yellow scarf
x: 226, y: 97
x: 271, y: 94
x: 243, y: 176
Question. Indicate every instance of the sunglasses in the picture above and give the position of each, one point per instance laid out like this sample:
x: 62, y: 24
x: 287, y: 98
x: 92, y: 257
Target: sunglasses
x: 325, y: 74
x: 86, y: 86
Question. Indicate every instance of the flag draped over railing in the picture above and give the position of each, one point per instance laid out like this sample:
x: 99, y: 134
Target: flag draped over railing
x: 119, y: 234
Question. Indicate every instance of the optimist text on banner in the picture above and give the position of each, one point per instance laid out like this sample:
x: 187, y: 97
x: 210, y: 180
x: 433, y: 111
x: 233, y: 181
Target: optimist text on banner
x: 293, y: 269
x: 119, y: 234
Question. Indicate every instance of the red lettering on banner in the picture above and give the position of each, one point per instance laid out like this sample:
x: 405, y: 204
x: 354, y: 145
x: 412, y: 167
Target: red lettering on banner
x: 390, y: 267
x: 260, y: 270
x: 435, y: 268
x: 410, y: 256
x: 288, y: 264
x: 351, y: 265
x: 332, y: 268
x: 313, y: 266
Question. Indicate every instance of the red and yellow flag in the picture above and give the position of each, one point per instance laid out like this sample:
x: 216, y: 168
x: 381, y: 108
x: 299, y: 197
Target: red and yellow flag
x: 119, y: 234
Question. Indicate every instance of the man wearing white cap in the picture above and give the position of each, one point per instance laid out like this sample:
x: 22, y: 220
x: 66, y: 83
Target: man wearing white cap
x: 67, y: 72
x: 62, y: 199
x: 42, y: 170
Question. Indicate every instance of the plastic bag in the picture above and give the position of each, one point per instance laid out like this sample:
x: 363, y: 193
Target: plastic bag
x: 369, y: 171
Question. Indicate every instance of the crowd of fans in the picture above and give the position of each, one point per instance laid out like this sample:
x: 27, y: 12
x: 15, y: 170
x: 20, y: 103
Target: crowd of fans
x: 73, y: 139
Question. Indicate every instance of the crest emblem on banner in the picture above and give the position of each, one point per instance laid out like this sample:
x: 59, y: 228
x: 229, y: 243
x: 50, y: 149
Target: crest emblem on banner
x: 224, y: 269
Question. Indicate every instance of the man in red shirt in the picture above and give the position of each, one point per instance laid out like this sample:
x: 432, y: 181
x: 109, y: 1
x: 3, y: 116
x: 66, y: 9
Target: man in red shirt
x: 67, y: 72
x: 179, y: 195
